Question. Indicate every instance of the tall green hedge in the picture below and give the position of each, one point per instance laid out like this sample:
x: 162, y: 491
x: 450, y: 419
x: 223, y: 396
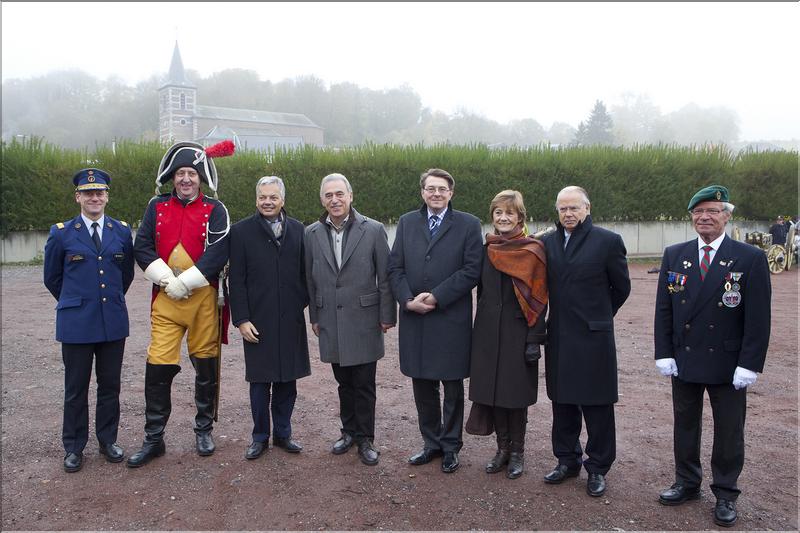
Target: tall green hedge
x: 639, y: 183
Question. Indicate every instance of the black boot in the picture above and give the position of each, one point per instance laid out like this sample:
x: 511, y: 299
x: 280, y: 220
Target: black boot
x: 205, y: 390
x: 158, y: 406
x: 500, y: 458
x: 516, y: 464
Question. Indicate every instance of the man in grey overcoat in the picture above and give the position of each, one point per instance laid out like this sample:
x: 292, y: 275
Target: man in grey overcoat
x: 434, y: 265
x: 268, y: 295
x: 351, y: 307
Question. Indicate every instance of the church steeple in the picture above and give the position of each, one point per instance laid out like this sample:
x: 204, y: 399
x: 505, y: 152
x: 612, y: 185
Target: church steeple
x: 177, y: 100
x: 177, y: 75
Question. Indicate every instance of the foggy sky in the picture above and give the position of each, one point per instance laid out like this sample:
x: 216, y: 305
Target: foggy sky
x: 506, y: 61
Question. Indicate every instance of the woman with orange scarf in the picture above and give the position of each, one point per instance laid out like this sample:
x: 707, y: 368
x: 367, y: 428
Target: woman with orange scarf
x: 509, y: 327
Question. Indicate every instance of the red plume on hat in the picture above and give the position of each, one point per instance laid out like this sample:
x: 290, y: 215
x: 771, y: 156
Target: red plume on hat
x: 221, y: 149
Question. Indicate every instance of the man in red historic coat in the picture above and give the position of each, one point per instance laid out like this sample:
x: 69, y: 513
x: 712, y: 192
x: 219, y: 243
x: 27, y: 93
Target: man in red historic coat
x: 182, y: 245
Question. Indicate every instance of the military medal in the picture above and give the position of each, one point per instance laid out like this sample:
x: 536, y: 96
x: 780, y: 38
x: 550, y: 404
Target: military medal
x: 732, y: 297
x: 675, y: 282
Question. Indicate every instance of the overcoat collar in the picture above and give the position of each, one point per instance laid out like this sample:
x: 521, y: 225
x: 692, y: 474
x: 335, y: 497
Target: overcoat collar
x: 576, y: 237
x: 265, y: 226
x: 355, y: 229
x: 444, y: 227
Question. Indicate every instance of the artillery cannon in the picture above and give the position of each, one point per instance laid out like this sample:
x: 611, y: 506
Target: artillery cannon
x: 779, y: 257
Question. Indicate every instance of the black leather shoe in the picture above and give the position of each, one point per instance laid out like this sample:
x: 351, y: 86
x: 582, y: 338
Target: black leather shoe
x: 344, y: 443
x: 596, y: 485
x: 368, y: 454
x: 113, y: 453
x: 255, y: 449
x: 450, y: 462
x: 73, y: 462
x: 287, y: 444
x: 497, y: 462
x: 677, y: 494
x: 149, y: 451
x: 424, y: 457
x: 560, y: 473
x: 205, y: 444
x: 725, y: 512
x: 516, y: 465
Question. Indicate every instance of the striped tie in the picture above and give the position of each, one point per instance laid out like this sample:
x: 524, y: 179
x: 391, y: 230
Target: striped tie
x: 706, y: 262
x: 434, y: 225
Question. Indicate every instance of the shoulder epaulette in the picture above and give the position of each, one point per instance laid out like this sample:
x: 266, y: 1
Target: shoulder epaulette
x: 60, y: 225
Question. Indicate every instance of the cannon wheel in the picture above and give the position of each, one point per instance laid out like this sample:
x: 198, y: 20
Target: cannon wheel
x: 776, y: 258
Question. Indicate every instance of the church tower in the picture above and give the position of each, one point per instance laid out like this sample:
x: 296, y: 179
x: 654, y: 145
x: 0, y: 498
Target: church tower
x: 177, y: 101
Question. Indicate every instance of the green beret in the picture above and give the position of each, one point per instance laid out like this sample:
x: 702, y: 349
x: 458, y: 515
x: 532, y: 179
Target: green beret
x: 714, y: 193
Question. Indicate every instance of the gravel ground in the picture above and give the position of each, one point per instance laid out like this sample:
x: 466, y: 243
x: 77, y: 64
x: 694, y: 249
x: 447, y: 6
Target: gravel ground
x: 316, y: 490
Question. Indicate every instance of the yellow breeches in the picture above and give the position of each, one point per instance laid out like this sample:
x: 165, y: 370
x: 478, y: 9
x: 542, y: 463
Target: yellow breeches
x: 170, y: 320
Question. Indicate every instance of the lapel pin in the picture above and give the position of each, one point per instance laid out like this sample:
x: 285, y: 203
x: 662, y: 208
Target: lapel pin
x: 723, y: 263
x: 687, y: 264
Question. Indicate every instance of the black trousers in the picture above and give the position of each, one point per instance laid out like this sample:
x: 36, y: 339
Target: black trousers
x: 78, y: 359
x: 601, y: 445
x: 282, y: 405
x: 357, y: 399
x: 510, y: 426
x: 728, y: 407
x: 441, y: 424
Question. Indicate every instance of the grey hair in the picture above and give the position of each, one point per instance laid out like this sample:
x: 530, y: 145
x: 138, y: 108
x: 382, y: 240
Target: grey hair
x: 727, y: 206
x: 334, y: 177
x: 573, y: 188
x: 269, y: 180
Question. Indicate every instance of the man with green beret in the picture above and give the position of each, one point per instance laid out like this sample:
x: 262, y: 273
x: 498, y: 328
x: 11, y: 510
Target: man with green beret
x: 712, y: 322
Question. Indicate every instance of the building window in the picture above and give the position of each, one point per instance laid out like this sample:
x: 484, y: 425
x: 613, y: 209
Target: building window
x: 183, y: 101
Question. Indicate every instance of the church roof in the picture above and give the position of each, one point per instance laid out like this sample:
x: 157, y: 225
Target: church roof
x: 251, y: 139
x: 252, y: 115
x: 177, y: 75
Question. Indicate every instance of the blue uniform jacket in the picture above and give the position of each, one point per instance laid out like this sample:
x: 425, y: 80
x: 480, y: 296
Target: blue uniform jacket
x: 90, y: 287
x: 707, y: 338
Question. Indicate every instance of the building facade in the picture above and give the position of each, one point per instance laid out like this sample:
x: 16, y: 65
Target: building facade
x: 180, y: 118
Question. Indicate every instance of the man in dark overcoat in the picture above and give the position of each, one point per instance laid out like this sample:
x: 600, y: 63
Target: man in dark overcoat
x: 88, y: 267
x: 268, y: 295
x: 587, y: 275
x: 351, y: 307
x: 434, y: 264
x: 712, y: 324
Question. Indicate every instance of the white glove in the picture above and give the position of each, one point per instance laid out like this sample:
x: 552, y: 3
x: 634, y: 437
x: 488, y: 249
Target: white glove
x: 193, y: 278
x: 177, y: 290
x: 158, y: 273
x: 667, y: 367
x: 743, y: 378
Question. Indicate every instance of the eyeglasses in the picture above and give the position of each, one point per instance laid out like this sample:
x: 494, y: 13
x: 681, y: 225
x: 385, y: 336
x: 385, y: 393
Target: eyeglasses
x: 433, y: 190
x: 701, y: 212
x: 570, y: 208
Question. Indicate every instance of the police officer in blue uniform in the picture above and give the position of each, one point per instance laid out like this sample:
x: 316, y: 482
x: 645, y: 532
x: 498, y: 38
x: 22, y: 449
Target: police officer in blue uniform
x: 88, y: 267
x: 712, y: 322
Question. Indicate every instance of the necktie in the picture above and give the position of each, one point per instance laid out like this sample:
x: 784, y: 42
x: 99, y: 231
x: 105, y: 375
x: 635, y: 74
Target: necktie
x: 96, y: 235
x: 434, y: 225
x: 706, y: 262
